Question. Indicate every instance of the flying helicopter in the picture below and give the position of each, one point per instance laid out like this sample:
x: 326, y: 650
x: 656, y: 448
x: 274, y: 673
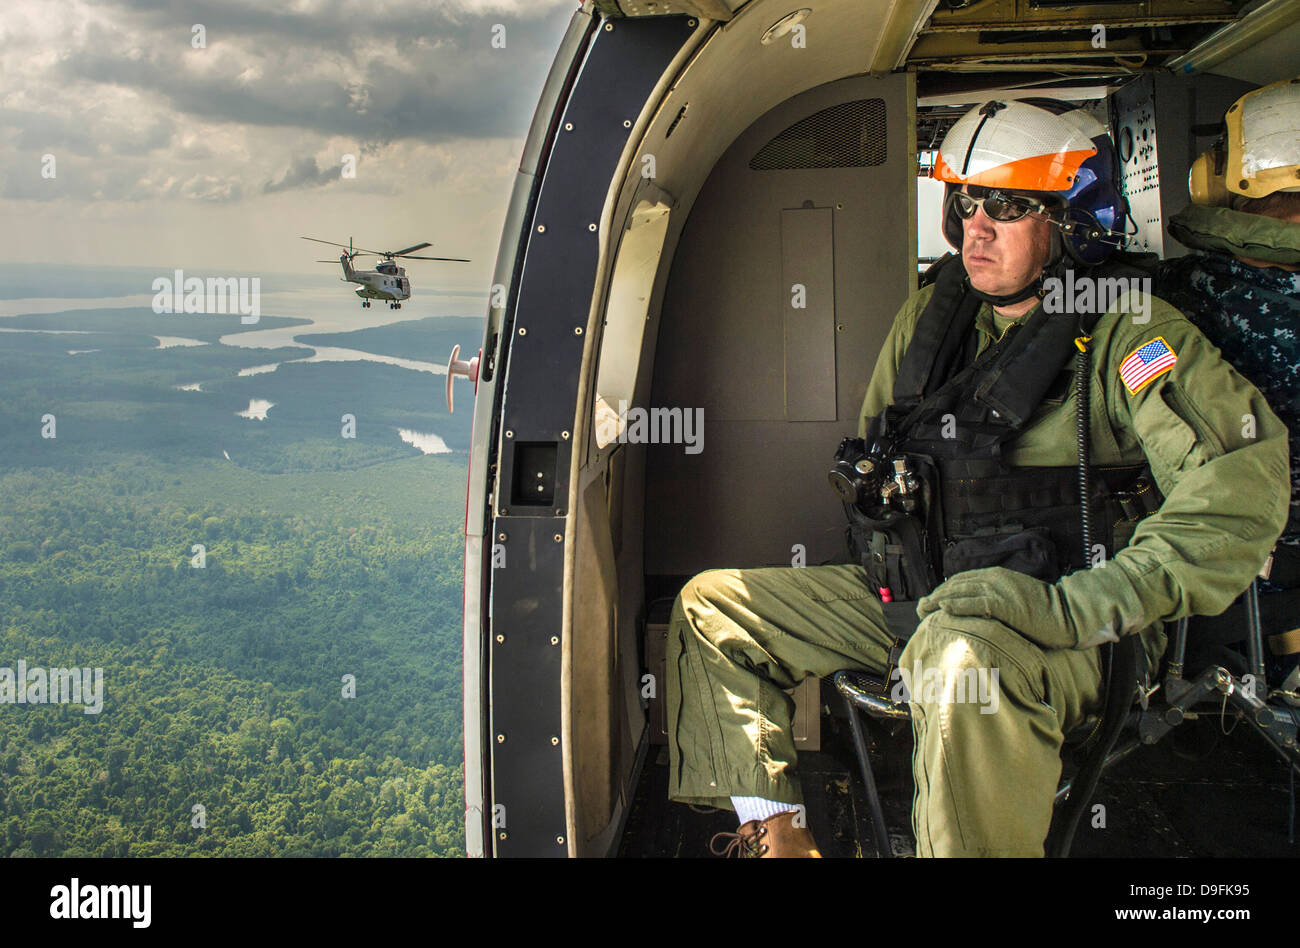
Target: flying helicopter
x: 387, y: 281
x: 682, y: 171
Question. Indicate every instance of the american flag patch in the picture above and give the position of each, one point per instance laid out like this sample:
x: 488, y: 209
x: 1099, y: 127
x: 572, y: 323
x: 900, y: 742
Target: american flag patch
x: 1146, y: 363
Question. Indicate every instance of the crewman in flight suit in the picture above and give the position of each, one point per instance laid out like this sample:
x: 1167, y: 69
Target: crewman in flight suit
x: 967, y: 376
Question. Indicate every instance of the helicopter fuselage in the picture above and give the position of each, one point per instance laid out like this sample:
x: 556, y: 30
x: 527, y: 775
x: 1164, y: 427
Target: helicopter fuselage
x: 386, y: 282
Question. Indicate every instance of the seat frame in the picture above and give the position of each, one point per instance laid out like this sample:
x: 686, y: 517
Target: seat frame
x: 1150, y: 721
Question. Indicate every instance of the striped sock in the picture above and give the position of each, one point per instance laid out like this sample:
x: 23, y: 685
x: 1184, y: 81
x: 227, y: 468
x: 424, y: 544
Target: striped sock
x: 757, y: 808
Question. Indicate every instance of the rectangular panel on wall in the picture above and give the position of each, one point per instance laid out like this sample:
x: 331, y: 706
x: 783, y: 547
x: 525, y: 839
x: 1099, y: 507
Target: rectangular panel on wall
x: 808, y: 305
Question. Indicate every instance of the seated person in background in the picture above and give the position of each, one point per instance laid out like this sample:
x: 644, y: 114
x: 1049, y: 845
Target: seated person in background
x: 1241, y: 287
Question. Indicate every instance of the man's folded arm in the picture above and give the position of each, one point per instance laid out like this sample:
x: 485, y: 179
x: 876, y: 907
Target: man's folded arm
x: 1219, y: 455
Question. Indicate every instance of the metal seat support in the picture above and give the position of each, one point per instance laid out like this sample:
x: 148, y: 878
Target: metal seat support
x: 1270, y: 717
x: 862, y: 692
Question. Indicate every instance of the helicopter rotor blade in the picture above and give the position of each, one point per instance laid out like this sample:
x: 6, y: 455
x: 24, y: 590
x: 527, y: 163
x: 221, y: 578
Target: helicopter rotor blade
x: 352, y: 251
x: 456, y: 259
x: 330, y: 242
x: 403, y: 253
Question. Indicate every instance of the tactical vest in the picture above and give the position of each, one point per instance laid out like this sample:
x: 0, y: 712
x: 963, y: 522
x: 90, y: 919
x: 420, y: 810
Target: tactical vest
x: 951, y: 414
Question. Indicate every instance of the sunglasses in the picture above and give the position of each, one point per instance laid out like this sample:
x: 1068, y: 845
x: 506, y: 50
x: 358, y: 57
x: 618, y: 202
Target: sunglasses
x: 1000, y: 206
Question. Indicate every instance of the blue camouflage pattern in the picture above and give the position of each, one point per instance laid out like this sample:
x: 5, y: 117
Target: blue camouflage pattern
x: 1252, y: 314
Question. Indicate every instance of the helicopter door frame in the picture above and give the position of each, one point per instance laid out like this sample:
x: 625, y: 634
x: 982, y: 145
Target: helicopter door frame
x: 517, y: 655
x: 623, y: 65
x: 481, y: 822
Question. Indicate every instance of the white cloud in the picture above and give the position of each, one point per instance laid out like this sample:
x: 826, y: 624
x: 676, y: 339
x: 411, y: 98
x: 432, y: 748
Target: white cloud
x: 221, y: 156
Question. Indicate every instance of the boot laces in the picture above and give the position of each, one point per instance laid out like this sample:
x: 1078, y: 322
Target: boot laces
x: 741, y: 845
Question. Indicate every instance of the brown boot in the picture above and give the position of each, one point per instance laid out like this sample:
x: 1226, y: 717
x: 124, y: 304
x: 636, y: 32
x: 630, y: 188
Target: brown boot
x: 773, y: 838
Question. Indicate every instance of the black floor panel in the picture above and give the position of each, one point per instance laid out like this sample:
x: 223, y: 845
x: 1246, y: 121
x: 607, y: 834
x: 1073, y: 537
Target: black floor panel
x: 1199, y: 792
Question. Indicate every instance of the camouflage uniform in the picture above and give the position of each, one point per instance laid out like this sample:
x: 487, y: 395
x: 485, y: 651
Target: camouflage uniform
x: 1253, y: 315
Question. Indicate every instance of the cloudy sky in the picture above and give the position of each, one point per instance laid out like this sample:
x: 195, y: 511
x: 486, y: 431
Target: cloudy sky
x: 219, y: 157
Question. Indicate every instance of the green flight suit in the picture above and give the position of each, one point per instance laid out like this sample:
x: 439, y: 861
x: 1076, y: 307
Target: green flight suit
x: 985, y: 781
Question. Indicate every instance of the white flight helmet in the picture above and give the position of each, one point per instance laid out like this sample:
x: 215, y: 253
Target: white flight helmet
x: 1047, y: 149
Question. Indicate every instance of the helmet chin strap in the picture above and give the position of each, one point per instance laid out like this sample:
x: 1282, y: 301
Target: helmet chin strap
x: 1034, y: 288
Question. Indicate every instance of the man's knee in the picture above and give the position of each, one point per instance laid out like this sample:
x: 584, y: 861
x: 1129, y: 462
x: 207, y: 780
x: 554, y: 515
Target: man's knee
x: 972, y: 658
x: 708, y: 589
x: 711, y: 611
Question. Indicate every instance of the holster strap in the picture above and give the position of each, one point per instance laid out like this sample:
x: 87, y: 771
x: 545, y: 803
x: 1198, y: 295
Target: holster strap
x: 900, y: 619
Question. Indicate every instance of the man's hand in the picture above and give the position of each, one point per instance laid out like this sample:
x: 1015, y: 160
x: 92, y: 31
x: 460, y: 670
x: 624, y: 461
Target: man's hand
x: 1032, y: 607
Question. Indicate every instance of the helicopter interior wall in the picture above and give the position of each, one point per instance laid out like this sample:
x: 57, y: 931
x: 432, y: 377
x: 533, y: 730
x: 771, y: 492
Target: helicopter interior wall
x: 730, y: 80
x: 775, y: 379
x: 599, y: 721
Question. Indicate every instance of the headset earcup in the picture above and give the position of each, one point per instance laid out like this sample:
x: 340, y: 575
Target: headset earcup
x: 952, y: 231
x: 1204, y: 185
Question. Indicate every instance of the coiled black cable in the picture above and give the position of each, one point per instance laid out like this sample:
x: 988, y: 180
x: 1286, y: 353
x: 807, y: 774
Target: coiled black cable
x: 1082, y: 439
x: 1115, y: 700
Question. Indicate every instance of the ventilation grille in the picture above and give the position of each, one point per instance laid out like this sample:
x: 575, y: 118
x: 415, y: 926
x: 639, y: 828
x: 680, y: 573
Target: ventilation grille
x: 848, y: 135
